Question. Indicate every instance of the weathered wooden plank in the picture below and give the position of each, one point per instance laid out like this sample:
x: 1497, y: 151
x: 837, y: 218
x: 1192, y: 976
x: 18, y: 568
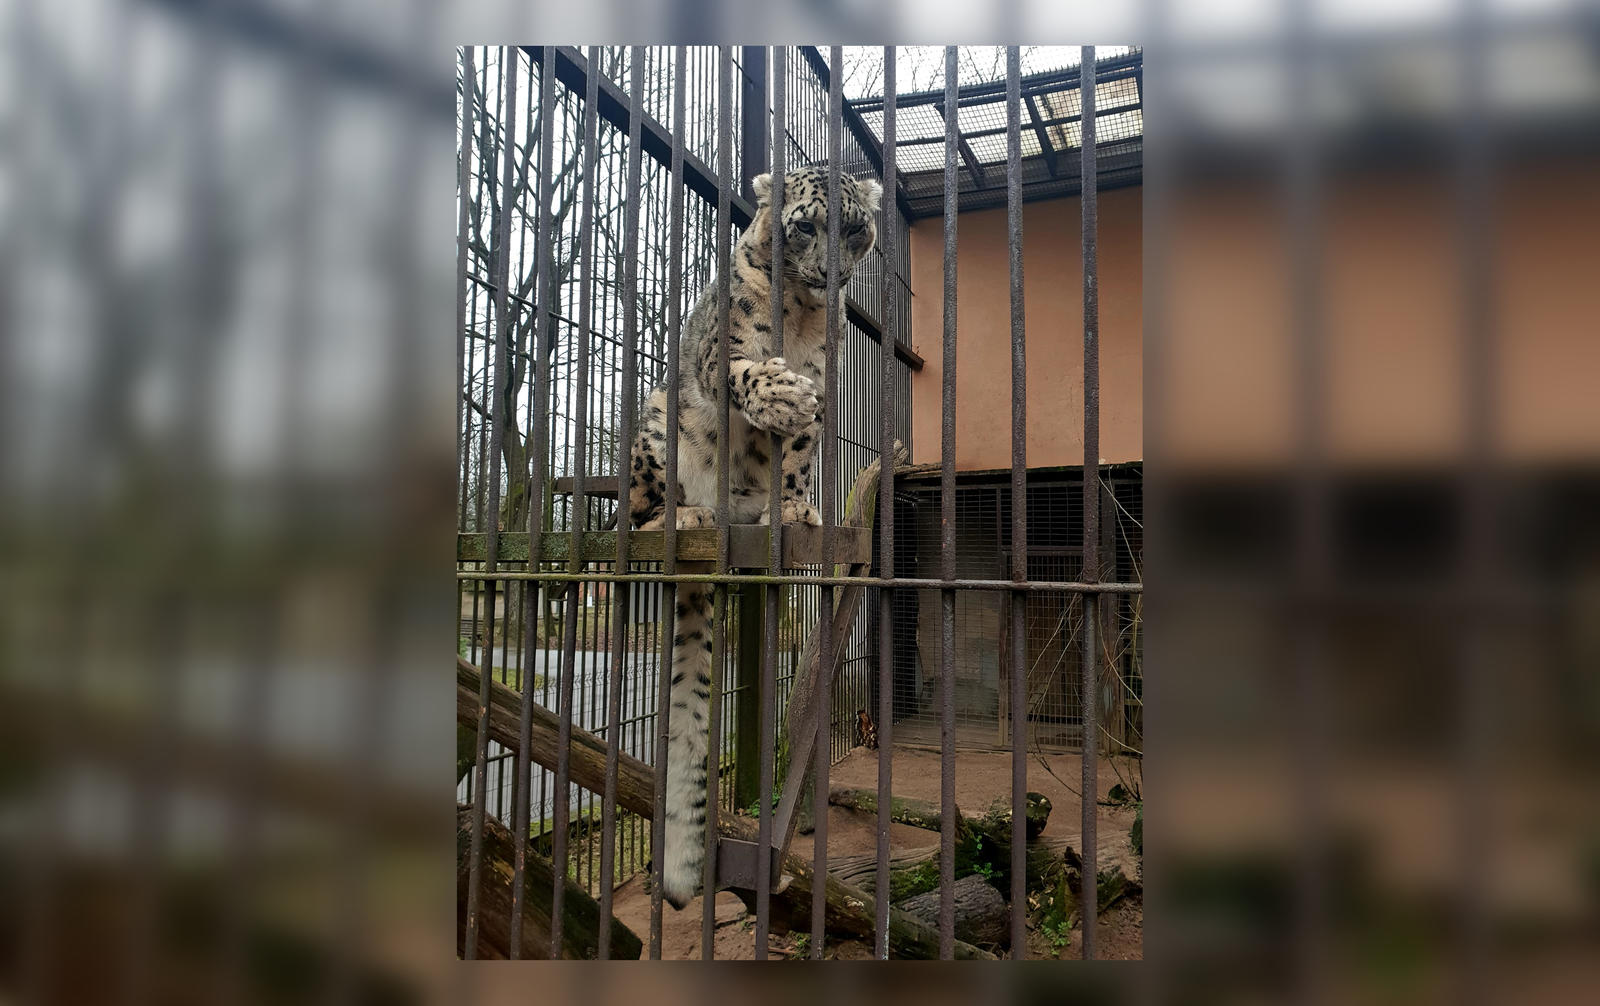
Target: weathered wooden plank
x: 747, y: 545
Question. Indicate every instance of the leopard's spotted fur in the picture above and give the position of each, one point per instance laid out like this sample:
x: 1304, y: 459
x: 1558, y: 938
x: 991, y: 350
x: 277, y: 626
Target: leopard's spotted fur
x: 766, y: 395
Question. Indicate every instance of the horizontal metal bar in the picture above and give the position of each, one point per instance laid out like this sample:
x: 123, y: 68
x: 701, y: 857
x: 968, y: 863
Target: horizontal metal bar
x: 858, y: 316
x: 1062, y: 120
x: 748, y: 545
x: 801, y: 579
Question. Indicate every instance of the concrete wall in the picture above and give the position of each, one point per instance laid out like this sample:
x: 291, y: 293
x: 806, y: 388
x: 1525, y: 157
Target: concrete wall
x: 1053, y: 293
x: 1390, y: 292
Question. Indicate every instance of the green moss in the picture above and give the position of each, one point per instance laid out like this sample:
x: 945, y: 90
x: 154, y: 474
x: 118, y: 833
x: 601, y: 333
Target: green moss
x: 912, y: 881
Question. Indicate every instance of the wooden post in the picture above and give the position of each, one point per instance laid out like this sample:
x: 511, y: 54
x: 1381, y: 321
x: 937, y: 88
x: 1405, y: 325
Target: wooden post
x: 747, y: 739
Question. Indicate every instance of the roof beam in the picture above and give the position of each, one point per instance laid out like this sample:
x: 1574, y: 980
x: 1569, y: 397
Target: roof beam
x: 1050, y: 80
x: 572, y: 69
x: 974, y: 167
x: 1060, y: 120
x: 1046, y: 148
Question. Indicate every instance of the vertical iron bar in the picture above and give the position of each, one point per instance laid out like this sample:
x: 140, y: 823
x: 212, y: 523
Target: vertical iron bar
x: 463, y: 254
x: 769, y: 656
x: 508, y: 68
x: 830, y: 478
x: 669, y: 599
x: 1090, y: 689
x: 578, y: 513
x: 486, y: 183
x: 947, y: 523
x: 540, y: 323
x: 619, y: 594
x: 886, y: 425
x: 1312, y: 555
x: 1019, y: 507
x: 1481, y: 475
x: 719, y: 633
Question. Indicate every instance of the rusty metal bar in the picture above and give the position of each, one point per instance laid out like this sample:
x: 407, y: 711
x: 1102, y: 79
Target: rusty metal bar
x: 1482, y: 477
x: 579, y: 514
x: 1090, y: 691
x: 1019, y: 509
x: 508, y: 71
x: 463, y: 253
x: 886, y: 440
x: 769, y: 648
x: 719, y: 632
x: 830, y: 478
x: 947, y: 528
x: 1312, y: 555
x: 669, y: 603
x: 619, y: 597
x: 543, y: 331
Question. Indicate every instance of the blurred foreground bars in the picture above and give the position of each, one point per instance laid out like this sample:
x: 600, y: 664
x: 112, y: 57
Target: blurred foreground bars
x: 228, y: 499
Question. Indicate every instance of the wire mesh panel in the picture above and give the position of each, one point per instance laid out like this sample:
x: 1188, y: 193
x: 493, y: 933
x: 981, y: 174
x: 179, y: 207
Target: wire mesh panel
x: 1053, y: 621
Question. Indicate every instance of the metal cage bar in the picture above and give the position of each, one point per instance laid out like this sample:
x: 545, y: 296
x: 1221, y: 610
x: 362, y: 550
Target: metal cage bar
x: 1091, y: 503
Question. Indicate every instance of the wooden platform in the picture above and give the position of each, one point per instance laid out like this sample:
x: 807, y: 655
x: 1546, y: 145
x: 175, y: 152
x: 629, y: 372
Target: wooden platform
x: 749, y: 546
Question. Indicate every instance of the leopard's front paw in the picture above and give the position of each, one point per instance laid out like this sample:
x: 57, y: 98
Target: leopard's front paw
x: 691, y: 517
x: 795, y: 512
x: 779, y: 400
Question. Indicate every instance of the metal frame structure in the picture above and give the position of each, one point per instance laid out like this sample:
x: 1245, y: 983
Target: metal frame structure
x: 623, y: 569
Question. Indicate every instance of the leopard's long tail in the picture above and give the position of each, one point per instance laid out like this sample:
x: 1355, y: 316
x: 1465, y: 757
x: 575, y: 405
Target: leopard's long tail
x: 686, y: 741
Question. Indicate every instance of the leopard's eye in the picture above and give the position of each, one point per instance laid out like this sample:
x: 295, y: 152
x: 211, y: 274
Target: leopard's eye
x: 805, y: 227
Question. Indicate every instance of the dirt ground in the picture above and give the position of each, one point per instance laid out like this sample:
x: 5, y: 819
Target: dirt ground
x: 980, y: 777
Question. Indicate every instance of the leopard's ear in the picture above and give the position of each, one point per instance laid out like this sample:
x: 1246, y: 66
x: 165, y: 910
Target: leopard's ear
x: 762, y: 184
x: 872, y: 194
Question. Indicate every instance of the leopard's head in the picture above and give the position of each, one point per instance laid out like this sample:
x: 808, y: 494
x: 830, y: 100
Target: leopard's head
x: 805, y: 222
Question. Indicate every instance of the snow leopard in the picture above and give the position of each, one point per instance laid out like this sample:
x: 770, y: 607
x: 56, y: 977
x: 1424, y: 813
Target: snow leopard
x: 767, y: 395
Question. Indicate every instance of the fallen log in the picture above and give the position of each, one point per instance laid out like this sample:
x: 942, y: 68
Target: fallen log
x: 580, y: 929
x: 981, y: 844
x: 862, y: 870
x: 917, y: 813
x: 850, y: 911
x: 980, y: 911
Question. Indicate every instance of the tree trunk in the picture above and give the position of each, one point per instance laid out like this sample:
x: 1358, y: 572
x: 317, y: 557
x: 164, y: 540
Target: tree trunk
x: 981, y: 913
x: 580, y: 928
x: 982, y: 843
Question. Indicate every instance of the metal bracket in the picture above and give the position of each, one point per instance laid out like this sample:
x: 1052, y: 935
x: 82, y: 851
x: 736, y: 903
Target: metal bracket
x: 738, y: 865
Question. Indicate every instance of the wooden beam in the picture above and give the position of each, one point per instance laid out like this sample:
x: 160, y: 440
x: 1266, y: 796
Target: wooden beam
x: 747, y: 546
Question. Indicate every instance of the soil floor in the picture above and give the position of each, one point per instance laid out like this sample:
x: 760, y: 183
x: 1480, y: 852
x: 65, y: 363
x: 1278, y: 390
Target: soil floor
x: 980, y: 778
